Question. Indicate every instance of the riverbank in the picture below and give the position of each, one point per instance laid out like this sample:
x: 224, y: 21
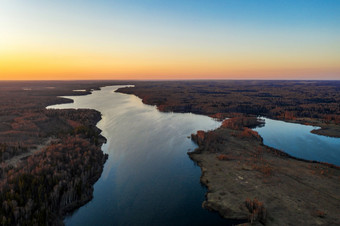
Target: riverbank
x: 313, y: 102
x: 326, y: 129
x: 75, y: 170
x: 248, y: 180
x: 148, y: 178
x: 43, y: 181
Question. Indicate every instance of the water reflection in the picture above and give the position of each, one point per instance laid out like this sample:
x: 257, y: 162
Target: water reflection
x: 298, y: 141
x: 148, y: 178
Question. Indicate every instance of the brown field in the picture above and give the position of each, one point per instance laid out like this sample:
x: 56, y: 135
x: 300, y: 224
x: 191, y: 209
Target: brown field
x: 248, y: 180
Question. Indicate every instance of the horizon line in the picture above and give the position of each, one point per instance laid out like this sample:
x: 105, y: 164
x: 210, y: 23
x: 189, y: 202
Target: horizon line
x: 198, y: 79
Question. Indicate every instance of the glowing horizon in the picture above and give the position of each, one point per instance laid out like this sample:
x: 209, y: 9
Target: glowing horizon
x: 169, y: 40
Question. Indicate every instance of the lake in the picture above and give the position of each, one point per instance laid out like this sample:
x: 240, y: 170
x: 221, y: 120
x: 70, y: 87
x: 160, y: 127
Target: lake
x: 148, y: 178
x: 297, y: 140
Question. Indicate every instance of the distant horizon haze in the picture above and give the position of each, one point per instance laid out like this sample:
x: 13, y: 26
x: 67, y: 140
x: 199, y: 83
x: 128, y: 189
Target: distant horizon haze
x: 169, y: 40
x: 185, y: 79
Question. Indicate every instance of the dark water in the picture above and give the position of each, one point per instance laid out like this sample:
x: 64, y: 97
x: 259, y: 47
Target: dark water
x: 298, y: 141
x: 148, y: 178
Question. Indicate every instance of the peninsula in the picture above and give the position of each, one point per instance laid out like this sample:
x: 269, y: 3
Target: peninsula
x: 245, y: 178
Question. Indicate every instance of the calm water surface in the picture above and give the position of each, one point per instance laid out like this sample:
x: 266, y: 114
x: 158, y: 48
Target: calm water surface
x: 298, y: 141
x: 148, y: 178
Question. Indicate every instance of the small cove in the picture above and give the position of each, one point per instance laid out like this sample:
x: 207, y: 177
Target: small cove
x: 297, y: 140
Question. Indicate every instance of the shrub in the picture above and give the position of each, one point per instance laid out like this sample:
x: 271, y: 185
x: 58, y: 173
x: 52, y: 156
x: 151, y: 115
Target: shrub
x: 257, y: 210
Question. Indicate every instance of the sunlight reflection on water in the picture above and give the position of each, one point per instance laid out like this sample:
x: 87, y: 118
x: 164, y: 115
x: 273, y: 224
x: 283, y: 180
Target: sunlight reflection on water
x: 148, y: 178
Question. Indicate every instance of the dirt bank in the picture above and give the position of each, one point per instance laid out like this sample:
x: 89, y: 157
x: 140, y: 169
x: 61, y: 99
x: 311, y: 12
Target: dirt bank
x: 248, y: 180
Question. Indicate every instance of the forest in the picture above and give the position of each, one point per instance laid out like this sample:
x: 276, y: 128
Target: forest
x: 50, y: 159
x: 273, y: 99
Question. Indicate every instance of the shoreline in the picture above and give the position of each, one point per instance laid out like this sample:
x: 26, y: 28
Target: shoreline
x: 211, y: 152
x: 238, y: 170
x: 74, y: 156
x: 71, y: 207
x: 235, y: 185
x: 244, y: 214
x: 326, y: 129
x: 237, y: 98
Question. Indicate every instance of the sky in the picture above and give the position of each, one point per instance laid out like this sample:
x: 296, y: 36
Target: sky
x: 175, y: 39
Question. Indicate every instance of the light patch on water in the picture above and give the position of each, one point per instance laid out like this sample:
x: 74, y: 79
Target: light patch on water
x: 149, y: 178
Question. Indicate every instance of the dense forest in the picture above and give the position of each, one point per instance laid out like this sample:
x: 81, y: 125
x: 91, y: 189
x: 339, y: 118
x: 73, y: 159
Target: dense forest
x: 50, y: 159
x: 55, y: 180
x: 274, y: 99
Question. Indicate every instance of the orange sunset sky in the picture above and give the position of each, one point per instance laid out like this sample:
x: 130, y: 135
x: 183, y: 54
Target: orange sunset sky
x: 43, y: 40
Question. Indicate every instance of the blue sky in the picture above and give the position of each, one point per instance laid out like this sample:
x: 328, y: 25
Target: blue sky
x: 171, y: 39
